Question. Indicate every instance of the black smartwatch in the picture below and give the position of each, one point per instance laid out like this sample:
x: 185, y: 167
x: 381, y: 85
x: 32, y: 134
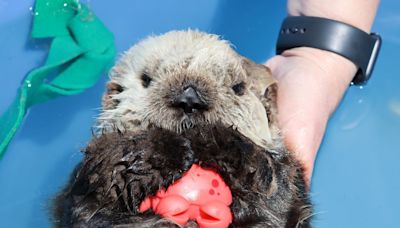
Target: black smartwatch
x: 348, y: 41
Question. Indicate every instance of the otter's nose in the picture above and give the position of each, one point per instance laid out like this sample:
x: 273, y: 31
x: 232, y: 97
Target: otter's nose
x: 189, y: 101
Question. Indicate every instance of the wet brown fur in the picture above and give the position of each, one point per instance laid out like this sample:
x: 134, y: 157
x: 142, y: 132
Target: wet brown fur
x: 121, y: 169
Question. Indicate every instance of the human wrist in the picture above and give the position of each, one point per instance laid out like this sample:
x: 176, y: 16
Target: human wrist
x: 336, y: 72
x: 358, y: 13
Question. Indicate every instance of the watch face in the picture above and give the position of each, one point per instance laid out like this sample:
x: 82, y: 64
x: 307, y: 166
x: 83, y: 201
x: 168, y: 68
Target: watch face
x: 363, y: 75
x: 374, y: 55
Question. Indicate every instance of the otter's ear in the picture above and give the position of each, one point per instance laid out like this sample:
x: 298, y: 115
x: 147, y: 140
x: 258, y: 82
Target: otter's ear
x: 108, y: 101
x: 263, y: 85
x: 113, y: 87
x: 259, y: 76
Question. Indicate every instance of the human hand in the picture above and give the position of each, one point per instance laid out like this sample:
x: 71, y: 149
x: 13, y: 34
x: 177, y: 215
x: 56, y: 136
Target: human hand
x: 311, y: 83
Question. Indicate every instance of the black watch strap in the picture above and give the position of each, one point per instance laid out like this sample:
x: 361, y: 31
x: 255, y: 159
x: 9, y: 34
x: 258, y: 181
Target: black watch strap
x: 348, y: 41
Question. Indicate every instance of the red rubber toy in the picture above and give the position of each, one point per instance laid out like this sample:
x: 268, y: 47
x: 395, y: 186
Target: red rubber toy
x: 200, y: 195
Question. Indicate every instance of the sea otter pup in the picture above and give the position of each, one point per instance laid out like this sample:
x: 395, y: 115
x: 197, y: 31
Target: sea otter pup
x: 184, y: 98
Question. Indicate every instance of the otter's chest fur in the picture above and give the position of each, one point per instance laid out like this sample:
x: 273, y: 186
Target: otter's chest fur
x: 121, y: 169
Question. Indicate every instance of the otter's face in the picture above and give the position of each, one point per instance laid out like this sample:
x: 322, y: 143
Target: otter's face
x: 186, y: 78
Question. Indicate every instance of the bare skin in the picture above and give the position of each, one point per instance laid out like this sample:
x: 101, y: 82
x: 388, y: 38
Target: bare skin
x: 311, y: 81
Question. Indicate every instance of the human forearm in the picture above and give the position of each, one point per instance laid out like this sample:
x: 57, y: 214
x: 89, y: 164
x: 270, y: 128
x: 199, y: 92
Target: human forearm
x: 359, y: 13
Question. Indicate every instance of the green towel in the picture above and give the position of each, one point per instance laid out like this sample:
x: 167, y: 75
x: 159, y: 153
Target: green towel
x: 81, y: 49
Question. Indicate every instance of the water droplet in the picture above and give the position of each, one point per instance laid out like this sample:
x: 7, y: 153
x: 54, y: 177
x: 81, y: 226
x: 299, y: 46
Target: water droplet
x: 360, y: 103
x: 65, y: 4
x: 36, y: 13
x: 29, y: 85
x: 361, y: 87
x: 30, y: 8
x: 394, y: 106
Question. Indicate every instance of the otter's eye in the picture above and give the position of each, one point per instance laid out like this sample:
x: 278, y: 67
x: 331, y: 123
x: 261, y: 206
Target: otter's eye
x: 239, y: 88
x: 146, y: 80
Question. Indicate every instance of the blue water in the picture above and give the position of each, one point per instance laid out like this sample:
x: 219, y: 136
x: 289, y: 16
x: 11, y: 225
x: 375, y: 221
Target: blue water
x: 356, y: 180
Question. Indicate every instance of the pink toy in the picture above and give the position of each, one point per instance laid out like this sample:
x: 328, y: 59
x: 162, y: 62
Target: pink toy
x: 200, y: 195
